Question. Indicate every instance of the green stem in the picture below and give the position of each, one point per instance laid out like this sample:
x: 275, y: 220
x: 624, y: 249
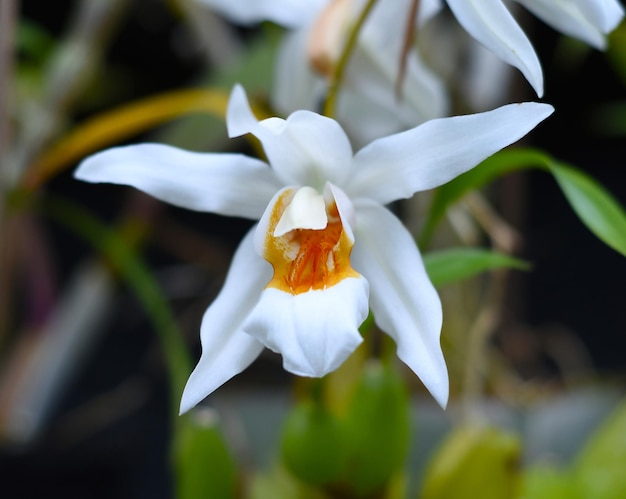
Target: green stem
x: 337, y: 77
x: 117, y: 251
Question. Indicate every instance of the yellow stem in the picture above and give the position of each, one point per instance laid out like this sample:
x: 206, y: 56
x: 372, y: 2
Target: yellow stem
x: 337, y: 76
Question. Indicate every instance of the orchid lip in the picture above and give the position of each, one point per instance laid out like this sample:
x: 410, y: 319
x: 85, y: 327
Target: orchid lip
x: 306, y: 241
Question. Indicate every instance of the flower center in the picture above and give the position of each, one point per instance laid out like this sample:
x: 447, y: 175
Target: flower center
x: 305, y: 258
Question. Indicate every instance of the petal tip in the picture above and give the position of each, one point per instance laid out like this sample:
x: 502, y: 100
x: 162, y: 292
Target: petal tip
x: 239, y: 116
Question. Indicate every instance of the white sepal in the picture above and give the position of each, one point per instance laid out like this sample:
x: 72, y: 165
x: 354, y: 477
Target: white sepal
x: 287, y: 13
x: 489, y: 22
x: 437, y: 151
x: 403, y: 300
x: 226, y: 349
x: 228, y: 184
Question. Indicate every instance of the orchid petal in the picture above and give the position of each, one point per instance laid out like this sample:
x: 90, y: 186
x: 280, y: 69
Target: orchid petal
x: 305, y: 149
x: 437, y: 151
x: 287, y: 13
x: 603, y: 14
x: 226, y: 349
x: 489, y: 22
x: 567, y: 18
x: 296, y: 85
x: 314, y: 331
x: 403, y: 300
x: 423, y: 94
x: 428, y: 10
x: 229, y: 184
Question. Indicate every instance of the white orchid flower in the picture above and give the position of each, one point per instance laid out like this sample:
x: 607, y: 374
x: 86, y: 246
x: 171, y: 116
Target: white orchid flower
x: 491, y: 23
x: 310, y: 52
x: 326, y: 249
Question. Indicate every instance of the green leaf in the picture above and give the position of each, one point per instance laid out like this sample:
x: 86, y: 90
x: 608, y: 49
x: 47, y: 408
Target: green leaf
x: 378, y: 429
x: 594, y: 205
x: 616, y: 51
x: 34, y: 42
x: 547, y: 482
x: 501, y: 163
x: 599, y: 467
x: 278, y: 483
x: 445, y: 267
x: 474, y: 460
x: 313, y: 444
x: 204, y: 465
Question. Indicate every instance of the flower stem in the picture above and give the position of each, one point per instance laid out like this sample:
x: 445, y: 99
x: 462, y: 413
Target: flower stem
x: 338, y: 74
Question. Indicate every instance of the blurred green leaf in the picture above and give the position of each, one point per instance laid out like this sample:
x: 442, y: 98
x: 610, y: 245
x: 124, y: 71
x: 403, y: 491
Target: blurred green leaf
x: 595, y: 206
x: 546, y: 482
x: 378, y: 428
x: 600, y: 465
x: 474, y: 461
x: 501, y: 163
x: 33, y: 42
x: 203, y: 463
x: 456, y: 264
x: 313, y: 444
x: 616, y: 51
x: 279, y: 484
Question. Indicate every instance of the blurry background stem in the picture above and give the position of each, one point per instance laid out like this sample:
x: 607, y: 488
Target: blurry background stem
x: 504, y: 238
x: 8, y: 17
x: 336, y: 78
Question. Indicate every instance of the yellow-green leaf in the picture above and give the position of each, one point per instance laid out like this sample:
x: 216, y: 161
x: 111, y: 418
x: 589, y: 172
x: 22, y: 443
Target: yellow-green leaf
x: 599, y: 467
x: 122, y: 123
x: 474, y: 461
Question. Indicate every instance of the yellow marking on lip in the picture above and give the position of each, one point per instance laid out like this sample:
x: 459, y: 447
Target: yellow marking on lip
x: 308, y: 259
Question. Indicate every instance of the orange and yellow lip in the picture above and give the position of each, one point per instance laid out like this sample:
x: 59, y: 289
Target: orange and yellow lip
x: 306, y: 259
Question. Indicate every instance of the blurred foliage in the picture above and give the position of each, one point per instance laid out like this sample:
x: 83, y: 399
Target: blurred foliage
x: 474, y: 460
x: 202, y: 459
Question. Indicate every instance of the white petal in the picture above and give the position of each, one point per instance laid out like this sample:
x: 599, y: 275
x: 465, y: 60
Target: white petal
x: 604, y: 14
x: 437, y: 151
x: 489, y: 22
x: 288, y: 13
x: 226, y: 349
x: 296, y: 85
x: 403, y: 300
x: 229, y: 184
x: 428, y: 9
x: 564, y: 16
x: 370, y: 108
x: 314, y: 331
x: 305, y: 149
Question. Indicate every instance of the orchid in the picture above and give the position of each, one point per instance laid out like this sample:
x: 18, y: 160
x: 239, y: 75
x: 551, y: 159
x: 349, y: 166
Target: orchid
x: 326, y: 249
x: 373, y: 86
x: 491, y: 23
